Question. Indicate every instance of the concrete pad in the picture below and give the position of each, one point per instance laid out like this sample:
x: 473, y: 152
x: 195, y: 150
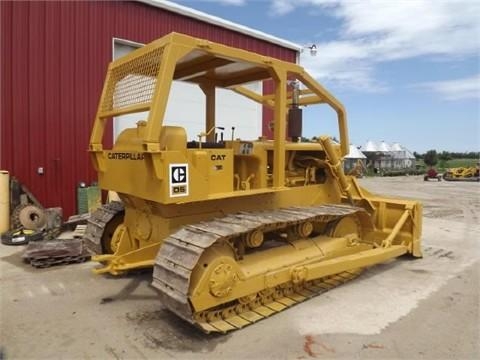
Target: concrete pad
x: 426, y: 308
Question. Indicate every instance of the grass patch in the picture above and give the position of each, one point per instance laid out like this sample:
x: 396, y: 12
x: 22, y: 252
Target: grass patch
x: 442, y: 165
x: 461, y: 163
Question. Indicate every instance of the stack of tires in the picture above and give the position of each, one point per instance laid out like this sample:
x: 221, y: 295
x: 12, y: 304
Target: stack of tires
x: 28, y: 222
x: 21, y: 237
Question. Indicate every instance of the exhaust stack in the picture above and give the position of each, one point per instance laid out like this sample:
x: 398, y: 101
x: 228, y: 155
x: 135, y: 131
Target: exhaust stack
x: 295, y: 115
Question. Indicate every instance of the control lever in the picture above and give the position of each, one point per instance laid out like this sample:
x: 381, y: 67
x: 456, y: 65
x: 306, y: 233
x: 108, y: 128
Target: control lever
x: 205, y: 134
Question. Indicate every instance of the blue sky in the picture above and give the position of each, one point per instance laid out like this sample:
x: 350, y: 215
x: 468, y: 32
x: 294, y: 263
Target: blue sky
x: 407, y: 71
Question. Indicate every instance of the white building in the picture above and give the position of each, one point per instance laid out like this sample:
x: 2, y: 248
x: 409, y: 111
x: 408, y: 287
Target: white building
x: 354, y: 157
x: 383, y: 156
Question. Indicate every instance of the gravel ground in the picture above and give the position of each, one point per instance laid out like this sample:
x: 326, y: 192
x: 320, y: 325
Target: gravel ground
x: 408, y: 309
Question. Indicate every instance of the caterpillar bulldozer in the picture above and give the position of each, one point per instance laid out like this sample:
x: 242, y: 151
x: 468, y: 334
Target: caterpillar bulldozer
x: 235, y: 230
x: 462, y: 174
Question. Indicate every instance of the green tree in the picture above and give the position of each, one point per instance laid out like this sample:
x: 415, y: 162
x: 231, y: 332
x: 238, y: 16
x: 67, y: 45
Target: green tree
x: 444, y: 155
x: 430, y: 158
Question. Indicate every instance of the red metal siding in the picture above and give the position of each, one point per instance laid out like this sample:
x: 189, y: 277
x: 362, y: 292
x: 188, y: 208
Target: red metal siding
x: 53, y: 61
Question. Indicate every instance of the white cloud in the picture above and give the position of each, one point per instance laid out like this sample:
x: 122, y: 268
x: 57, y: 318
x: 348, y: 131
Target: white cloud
x: 458, y: 89
x: 282, y: 7
x: 377, y: 31
x: 344, y: 64
x: 404, y: 29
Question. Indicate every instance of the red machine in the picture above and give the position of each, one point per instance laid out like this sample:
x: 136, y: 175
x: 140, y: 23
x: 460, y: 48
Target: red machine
x: 432, y: 174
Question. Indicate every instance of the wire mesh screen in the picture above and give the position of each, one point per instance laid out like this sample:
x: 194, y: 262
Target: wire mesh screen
x: 133, y: 82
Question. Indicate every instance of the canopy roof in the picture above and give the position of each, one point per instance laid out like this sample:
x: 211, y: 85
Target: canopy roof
x: 396, y: 147
x: 370, y: 146
x: 355, y: 153
x: 384, y: 147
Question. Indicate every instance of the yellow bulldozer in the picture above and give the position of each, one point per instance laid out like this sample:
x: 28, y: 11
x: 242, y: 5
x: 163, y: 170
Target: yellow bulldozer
x: 469, y: 173
x: 235, y: 230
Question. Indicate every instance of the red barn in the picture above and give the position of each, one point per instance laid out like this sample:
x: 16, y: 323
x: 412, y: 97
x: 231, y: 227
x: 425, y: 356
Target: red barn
x: 54, y: 57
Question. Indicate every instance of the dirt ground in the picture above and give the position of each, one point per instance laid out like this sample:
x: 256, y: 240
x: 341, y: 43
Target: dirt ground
x: 404, y: 309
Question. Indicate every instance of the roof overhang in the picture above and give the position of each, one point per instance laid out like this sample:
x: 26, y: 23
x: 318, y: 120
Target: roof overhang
x: 199, y: 15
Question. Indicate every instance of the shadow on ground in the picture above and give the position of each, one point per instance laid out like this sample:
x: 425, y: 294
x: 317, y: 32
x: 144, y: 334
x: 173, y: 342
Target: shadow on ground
x: 160, y: 329
x: 163, y: 329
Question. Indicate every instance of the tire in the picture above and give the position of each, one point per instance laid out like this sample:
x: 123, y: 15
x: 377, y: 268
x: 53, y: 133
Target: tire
x: 20, y: 237
x: 15, y: 219
x: 32, y: 217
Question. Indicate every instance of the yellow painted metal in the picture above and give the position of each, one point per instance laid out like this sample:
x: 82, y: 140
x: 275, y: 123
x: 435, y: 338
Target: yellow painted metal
x: 463, y: 173
x: 4, y: 201
x: 210, y: 97
x: 112, y: 196
x: 317, y: 257
x: 279, y: 129
x: 165, y: 184
x: 335, y: 165
x: 358, y: 169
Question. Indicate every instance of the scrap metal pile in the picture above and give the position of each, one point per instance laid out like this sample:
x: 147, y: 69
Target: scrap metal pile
x: 55, y: 252
x: 39, y: 228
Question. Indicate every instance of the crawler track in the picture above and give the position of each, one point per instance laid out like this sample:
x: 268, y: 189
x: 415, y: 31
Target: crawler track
x: 180, y: 253
x: 464, y: 179
x: 56, y: 252
x: 97, y: 225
